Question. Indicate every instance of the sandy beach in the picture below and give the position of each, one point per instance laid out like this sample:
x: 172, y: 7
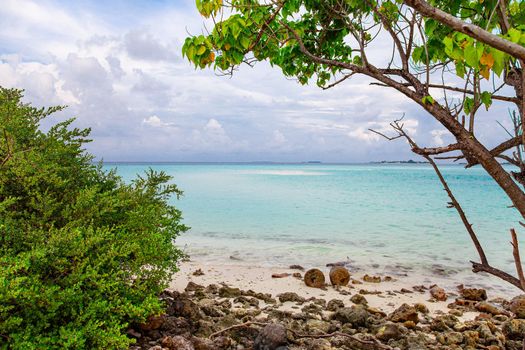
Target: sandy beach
x: 386, y: 295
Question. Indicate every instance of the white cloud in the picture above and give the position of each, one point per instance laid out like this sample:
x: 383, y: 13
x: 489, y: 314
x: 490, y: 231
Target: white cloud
x: 118, y: 67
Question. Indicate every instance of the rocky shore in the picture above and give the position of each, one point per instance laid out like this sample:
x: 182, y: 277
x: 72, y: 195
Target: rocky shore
x: 372, y: 312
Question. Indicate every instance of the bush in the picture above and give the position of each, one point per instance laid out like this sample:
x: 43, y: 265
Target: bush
x: 82, y: 254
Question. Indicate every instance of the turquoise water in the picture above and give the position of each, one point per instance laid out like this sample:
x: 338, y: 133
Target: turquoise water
x: 384, y: 218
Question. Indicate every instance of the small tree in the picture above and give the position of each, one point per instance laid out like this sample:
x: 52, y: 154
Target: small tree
x: 479, y: 44
x: 82, y: 254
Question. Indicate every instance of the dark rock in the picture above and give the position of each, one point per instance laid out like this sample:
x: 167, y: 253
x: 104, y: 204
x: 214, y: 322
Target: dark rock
x: 357, y: 315
x: 474, y: 294
x: 202, y: 344
x: 198, y: 272
x: 228, y: 292
x: 390, y: 331
x: 290, y: 296
x: 175, y: 325
x: 153, y: 322
x: 420, y: 307
x: 177, y: 343
x: 192, y: 287
x: 335, y: 304
x: 271, y: 337
x: 517, y: 306
x: 296, y: 267
x: 404, y: 313
x: 450, y: 338
x: 358, y: 299
x: 371, y: 279
x: 514, y: 329
x: 133, y: 333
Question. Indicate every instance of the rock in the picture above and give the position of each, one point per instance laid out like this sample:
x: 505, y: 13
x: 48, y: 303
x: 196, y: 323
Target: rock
x: 319, y: 344
x: 474, y: 294
x: 489, y: 308
x: 390, y: 331
x: 450, y: 338
x: 156, y: 347
x: 517, y: 306
x: 281, y: 275
x: 202, y: 344
x: 314, y: 278
x: 339, y: 276
x: 514, y: 329
x: 372, y: 279
x: 175, y: 325
x: 183, y: 307
x: 438, y: 293
x: 177, y: 343
x: 335, y: 304
x: 296, y: 267
x: 320, y: 325
x: 404, y: 313
x: 152, y: 323
x: 133, y: 333
x: 297, y: 275
x: 228, y: 292
x: 358, y: 299
x: 356, y: 315
x: 420, y: 307
x: 271, y: 337
x: 290, y: 296
x: 198, y: 272
x: 192, y: 287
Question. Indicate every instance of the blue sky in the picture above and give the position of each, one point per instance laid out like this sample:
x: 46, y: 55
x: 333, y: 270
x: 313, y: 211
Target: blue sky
x: 118, y: 67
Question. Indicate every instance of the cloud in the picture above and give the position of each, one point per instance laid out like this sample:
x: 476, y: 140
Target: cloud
x: 118, y: 68
x: 140, y: 44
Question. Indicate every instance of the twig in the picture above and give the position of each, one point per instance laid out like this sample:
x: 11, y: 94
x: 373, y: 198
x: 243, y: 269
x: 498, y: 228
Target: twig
x: 241, y: 325
x: 517, y: 259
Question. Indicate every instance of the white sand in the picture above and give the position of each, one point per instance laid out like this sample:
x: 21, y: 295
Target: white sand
x: 260, y: 279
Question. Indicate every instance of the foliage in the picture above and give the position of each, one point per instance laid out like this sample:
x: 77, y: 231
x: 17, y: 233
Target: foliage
x: 333, y: 30
x: 82, y: 254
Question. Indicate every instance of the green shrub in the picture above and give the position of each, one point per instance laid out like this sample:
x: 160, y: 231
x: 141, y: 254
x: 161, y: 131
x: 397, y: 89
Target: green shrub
x: 82, y: 254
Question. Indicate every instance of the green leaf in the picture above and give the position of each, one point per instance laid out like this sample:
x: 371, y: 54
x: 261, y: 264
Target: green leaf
x: 486, y: 98
x: 428, y: 100
x: 460, y: 69
x: 514, y: 35
x: 471, y: 56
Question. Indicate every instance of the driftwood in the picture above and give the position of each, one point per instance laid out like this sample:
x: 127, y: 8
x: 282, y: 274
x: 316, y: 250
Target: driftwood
x: 314, y: 278
x: 339, y: 276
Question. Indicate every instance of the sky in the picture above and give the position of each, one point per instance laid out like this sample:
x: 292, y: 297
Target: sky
x: 118, y: 67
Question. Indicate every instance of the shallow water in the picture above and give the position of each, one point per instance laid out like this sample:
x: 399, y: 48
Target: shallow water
x: 384, y: 218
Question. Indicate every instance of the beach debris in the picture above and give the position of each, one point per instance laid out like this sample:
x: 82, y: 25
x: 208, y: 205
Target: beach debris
x: 372, y: 279
x: 339, y: 263
x: 233, y: 257
x: 474, y: 294
x: 314, y: 278
x: 296, y: 267
x: 281, y: 275
x: 438, y: 293
x: 297, y: 275
x: 339, y: 276
x: 198, y: 272
x: 271, y: 337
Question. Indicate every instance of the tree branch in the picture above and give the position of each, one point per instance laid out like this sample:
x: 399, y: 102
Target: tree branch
x: 471, y: 30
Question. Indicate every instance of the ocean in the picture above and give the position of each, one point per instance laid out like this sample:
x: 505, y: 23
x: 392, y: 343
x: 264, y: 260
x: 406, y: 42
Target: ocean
x: 383, y: 218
